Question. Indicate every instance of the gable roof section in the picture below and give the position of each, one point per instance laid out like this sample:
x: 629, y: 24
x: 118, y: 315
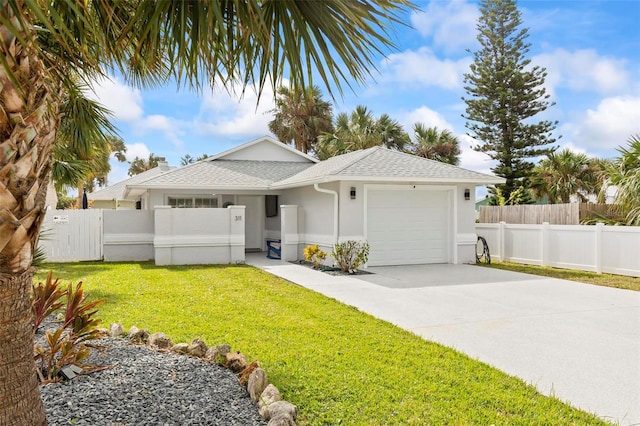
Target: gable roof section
x: 288, y: 153
x: 379, y: 164
x: 117, y: 190
x: 225, y: 174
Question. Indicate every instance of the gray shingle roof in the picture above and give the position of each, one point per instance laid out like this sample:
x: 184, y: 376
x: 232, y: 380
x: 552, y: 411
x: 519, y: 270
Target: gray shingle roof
x: 116, y: 191
x: 227, y: 173
x: 379, y: 163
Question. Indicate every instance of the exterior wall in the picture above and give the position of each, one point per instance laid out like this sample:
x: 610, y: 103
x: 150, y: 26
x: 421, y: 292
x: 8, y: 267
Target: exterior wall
x: 465, y: 230
x: 599, y: 248
x: 265, y: 151
x: 315, y: 215
x: 114, y: 205
x: 199, y: 236
x: 127, y: 235
x: 351, y: 212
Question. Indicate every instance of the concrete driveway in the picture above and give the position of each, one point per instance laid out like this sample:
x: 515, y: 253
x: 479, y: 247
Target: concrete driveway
x: 576, y: 341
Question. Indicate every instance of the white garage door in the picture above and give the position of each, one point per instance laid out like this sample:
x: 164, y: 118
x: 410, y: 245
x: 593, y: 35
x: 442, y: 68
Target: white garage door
x: 408, y: 226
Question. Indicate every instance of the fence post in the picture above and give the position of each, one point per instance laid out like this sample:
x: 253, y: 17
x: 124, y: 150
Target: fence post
x: 598, y: 230
x: 545, y: 244
x: 501, y: 239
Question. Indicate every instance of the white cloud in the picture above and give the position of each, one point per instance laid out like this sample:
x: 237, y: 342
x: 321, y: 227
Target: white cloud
x: 227, y: 114
x: 123, y: 101
x: 424, y: 68
x: 609, y: 125
x: 170, y: 128
x: 139, y: 150
x: 583, y: 70
x: 471, y: 159
x: 452, y: 24
x: 426, y: 116
x: 119, y: 172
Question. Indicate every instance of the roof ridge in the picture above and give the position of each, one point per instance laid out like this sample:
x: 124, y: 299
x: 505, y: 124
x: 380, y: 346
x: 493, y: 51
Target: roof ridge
x: 439, y: 163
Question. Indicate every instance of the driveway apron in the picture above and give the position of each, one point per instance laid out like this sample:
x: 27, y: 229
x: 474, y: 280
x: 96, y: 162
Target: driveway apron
x: 577, y: 342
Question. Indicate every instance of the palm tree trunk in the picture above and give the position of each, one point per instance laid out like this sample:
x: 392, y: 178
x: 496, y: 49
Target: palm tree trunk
x: 19, y: 390
x: 28, y: 122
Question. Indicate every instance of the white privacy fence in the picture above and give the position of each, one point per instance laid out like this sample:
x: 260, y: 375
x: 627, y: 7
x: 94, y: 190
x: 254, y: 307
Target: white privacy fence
x: 599, y: 248
x: 168, y: 236
x: 72, y: 235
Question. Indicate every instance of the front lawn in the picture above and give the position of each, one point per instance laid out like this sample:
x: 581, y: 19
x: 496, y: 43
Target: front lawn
x: 337, y: 364
x: 606, y: 280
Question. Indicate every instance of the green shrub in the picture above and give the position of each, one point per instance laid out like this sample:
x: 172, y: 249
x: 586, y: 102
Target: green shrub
x: 350, y: 255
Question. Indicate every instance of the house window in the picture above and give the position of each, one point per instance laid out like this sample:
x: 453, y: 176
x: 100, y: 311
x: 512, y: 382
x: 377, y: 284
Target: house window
x: 210, y: 203
x: 192, y: 202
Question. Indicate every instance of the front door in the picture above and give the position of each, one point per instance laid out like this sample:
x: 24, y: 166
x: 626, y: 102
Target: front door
x: 254, y: 218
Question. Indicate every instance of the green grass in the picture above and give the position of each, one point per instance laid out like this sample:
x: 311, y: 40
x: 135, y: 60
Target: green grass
x: 606, y: 280
x: 337, y: 364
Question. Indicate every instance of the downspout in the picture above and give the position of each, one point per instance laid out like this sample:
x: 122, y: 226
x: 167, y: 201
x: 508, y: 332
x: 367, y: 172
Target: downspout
x: 335, y: 209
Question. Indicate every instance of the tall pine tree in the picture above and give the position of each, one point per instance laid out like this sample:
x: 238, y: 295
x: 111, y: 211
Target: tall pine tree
x: 504, y: 93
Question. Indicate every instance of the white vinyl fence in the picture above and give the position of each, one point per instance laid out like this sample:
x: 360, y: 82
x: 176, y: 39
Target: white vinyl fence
x: 599, y: 248
x: 72, y: 235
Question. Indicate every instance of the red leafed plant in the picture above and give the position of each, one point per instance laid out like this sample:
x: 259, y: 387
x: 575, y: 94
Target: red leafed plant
x: 67, y: 344
x: 46, y: 299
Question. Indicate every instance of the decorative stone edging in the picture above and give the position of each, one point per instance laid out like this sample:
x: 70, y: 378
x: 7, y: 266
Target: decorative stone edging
x: 271, y: 406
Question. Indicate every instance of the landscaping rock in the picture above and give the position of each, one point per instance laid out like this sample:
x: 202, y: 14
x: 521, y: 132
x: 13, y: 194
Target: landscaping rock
x: 283, y: 409
x: 270, y: 395
x: 257, y: 383
x: 159, y: 340
x: 236, y: 362
x: 138, y: 334
x: 281, y: 421
x: 180, y: 348
x: 218, y: 354
x: 197, y: 348
x: 116, y: 330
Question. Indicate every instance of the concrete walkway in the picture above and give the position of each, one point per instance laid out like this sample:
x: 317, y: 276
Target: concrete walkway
x: 576, y: 341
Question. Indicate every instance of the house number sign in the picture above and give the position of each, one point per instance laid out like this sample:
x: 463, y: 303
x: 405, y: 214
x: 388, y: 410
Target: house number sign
x: 61, y: 219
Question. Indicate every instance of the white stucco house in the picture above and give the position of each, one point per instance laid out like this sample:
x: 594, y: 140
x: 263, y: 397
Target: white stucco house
x: 411, y: 210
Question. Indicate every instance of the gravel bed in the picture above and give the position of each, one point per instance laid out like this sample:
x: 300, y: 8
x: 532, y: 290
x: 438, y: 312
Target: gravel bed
x: 145, y: 387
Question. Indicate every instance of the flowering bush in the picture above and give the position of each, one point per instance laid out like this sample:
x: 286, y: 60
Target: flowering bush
x: 313, y: 254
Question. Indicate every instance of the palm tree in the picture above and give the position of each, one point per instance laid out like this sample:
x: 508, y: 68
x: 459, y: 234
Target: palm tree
x: 565, y: 174
x: 46, y: 45
x: 84, y: 143
x: 139, y: 165
x: 361, y: 130
x: 434, y: 144
x: 300, y: 116
x: 624, y: 173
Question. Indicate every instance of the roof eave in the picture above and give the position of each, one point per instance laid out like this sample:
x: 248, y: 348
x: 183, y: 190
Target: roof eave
x: 385, y: 179
x: 202, y: 187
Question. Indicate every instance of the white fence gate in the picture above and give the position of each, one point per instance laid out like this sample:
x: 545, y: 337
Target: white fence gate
x: 72, y: 235
x: 599, y: 248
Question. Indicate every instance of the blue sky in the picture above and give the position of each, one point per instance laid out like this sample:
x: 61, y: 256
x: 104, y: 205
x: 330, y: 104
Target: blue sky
x: 591, y: 50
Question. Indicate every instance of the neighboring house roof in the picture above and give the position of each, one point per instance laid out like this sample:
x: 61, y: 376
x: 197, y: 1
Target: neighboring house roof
x: 117, y: 191
x: 380, y: 164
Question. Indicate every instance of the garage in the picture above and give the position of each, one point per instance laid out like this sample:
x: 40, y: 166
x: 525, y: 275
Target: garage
x: 408, y: 225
